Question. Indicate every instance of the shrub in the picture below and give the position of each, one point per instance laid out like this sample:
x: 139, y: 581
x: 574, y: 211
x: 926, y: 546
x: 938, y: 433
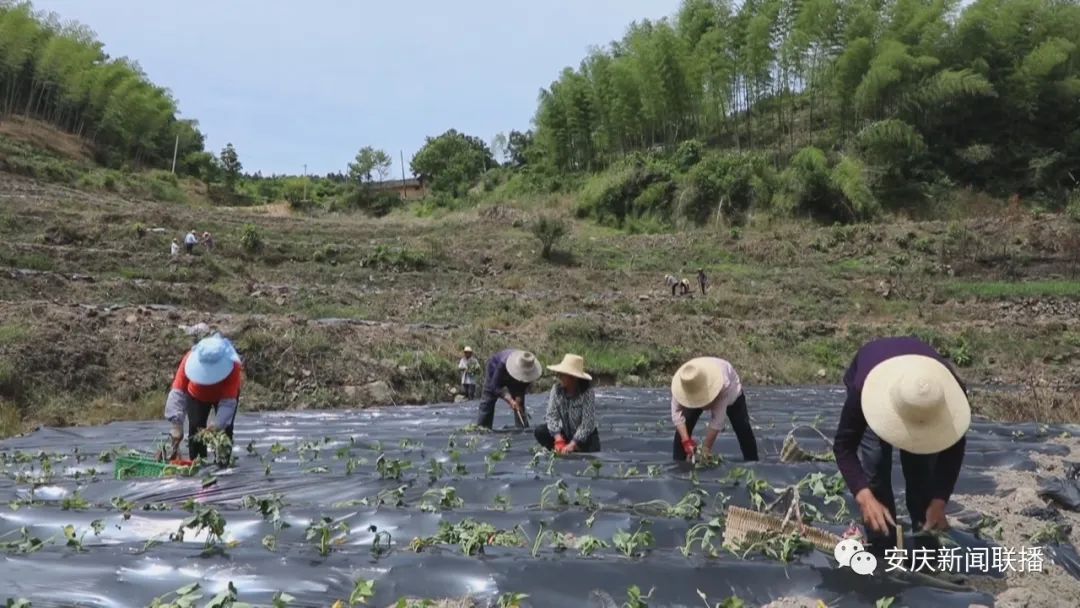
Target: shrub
x: 394, y: 259
x: 737, y: 180
x: 624, y: 192
x: 251, y: 239
x: 688, y: 154
x: 1073, y: 208
x: 548, y: 230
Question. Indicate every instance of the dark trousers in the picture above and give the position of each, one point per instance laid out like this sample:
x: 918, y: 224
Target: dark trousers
x: 189, y: 247
x: 486, y: 414
x: 673, y: 288
x: 469, y: 390
x: 546, y: 439
x: 198, y: 414
x: 876, y: 458
x: 702, y: 284
x: 740, y: 423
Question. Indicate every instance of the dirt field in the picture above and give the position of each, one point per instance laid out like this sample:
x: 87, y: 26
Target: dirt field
x: 348, y: 311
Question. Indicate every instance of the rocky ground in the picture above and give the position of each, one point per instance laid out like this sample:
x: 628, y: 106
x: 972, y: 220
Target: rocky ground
x: 349, y: 311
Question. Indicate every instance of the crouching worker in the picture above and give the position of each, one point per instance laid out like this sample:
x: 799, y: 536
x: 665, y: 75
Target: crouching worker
x: 509, y: 375
x: 570, y: 424
x: 709, y: 383
x: 901, y: 393
x: 208, y: 381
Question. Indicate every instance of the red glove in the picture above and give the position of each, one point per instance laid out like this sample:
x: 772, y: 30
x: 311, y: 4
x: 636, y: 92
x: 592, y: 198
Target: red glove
x: 560, y: 444
x: 689, y: 446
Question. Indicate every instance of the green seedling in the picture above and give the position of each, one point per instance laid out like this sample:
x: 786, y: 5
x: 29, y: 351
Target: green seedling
x: 227, y: 599
x: 731, y: 602
x: 435, y: 470
x: 324, y: 533
x: 587, y: 545
x: 270, y: 542
x: 73, y: 541
x: 988, y: 527
x: 75, y: 502
x: 470, y: 535
x: 250, y: 449
x: 354, y: 463
x: 491, y: 460
x: 1052, y: 533
x: 381, y: 543
x: 391, y: 468
x: 537, y: 454
x: 594, y: 467
x: 202, y: 519
x: 511, y: 600
x: 628, y: 473
x: 184, y: 597
x: 538, y: 541
x: 25, y: 544
x: 555, y: 493
x: 654, y: 470
x: 278, y: 449
x: 550, y: 470
x: 98, y: 526
x: 281, y: 600
x: 343, y: 453
x: 363, y: 591
x: 20, y: 602
x: 774, y: 545
x: 884, y: 602
x: 583, y: 498
x: 269, y: 507
x: 409, y: 444
x: 635, y: 544
x: 635, y: 599
x: 501, y: 503
x: 440, y: 499
x: 219, y: 443
x: 704, y: 535
x: 123, y: 505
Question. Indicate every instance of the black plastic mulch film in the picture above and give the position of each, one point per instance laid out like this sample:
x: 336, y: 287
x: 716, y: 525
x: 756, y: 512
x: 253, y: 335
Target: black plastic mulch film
x: 117, y: 569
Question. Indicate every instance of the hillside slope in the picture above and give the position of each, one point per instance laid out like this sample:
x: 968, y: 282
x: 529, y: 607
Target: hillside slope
x: 345, y: 312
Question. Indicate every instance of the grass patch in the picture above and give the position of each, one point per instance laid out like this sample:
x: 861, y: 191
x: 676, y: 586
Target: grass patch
x: 29, y: 261
x: 10, y: 420
x: 1000, y: 290
x: 13, y: 334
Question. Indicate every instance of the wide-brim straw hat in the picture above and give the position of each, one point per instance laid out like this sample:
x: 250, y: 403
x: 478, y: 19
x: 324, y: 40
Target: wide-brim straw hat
x: 211, y: 360
x: 571, y: 365
x: 524, y: 367
x: 698, y: 382
x: 467, y: 349
x: 916, y: 404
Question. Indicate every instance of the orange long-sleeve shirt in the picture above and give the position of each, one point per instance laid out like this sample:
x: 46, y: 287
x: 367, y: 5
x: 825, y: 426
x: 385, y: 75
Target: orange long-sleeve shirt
x: 229, y: 388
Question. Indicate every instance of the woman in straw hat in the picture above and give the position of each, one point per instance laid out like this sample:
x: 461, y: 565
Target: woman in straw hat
x: 509, y: 375
x: 570, y: 424
x: 468, y: 365
x: 709, y: 383
x: 901, y: 392
x: 207, y: 381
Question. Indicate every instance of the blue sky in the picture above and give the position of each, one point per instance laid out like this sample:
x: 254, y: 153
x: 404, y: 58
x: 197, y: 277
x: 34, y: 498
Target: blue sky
x: 294, y: 82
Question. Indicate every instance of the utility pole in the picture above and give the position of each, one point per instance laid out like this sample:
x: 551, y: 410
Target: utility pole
x: 404, y: 190
x: 305, y: 182
x: 176, y: 148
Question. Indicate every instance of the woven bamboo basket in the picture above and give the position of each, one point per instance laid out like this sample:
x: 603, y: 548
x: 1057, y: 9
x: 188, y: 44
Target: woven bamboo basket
x: 744, y: 525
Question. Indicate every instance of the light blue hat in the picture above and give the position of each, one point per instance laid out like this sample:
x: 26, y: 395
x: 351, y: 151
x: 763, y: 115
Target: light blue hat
x: 211, y: 360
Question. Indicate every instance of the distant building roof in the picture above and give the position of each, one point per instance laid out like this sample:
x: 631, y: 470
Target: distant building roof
x: 393, y: 184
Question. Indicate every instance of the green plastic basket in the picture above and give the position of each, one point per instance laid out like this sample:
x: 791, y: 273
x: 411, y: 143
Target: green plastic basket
x: 133, y: 467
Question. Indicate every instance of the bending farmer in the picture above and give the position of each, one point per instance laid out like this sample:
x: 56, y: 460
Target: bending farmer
x: 570, y: 424
x: 509, y: 374
x: 709, y: 383
x: 209, y: 378
x: 901, y: 393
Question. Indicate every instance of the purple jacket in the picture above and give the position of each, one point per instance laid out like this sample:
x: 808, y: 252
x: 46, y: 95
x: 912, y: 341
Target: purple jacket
x: 853, y: 424
x: 498, y: 379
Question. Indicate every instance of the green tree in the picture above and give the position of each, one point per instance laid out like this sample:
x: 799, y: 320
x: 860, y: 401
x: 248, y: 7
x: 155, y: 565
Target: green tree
x: 230, y: 166
x: 369, y: 162
x: 452, y: 162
